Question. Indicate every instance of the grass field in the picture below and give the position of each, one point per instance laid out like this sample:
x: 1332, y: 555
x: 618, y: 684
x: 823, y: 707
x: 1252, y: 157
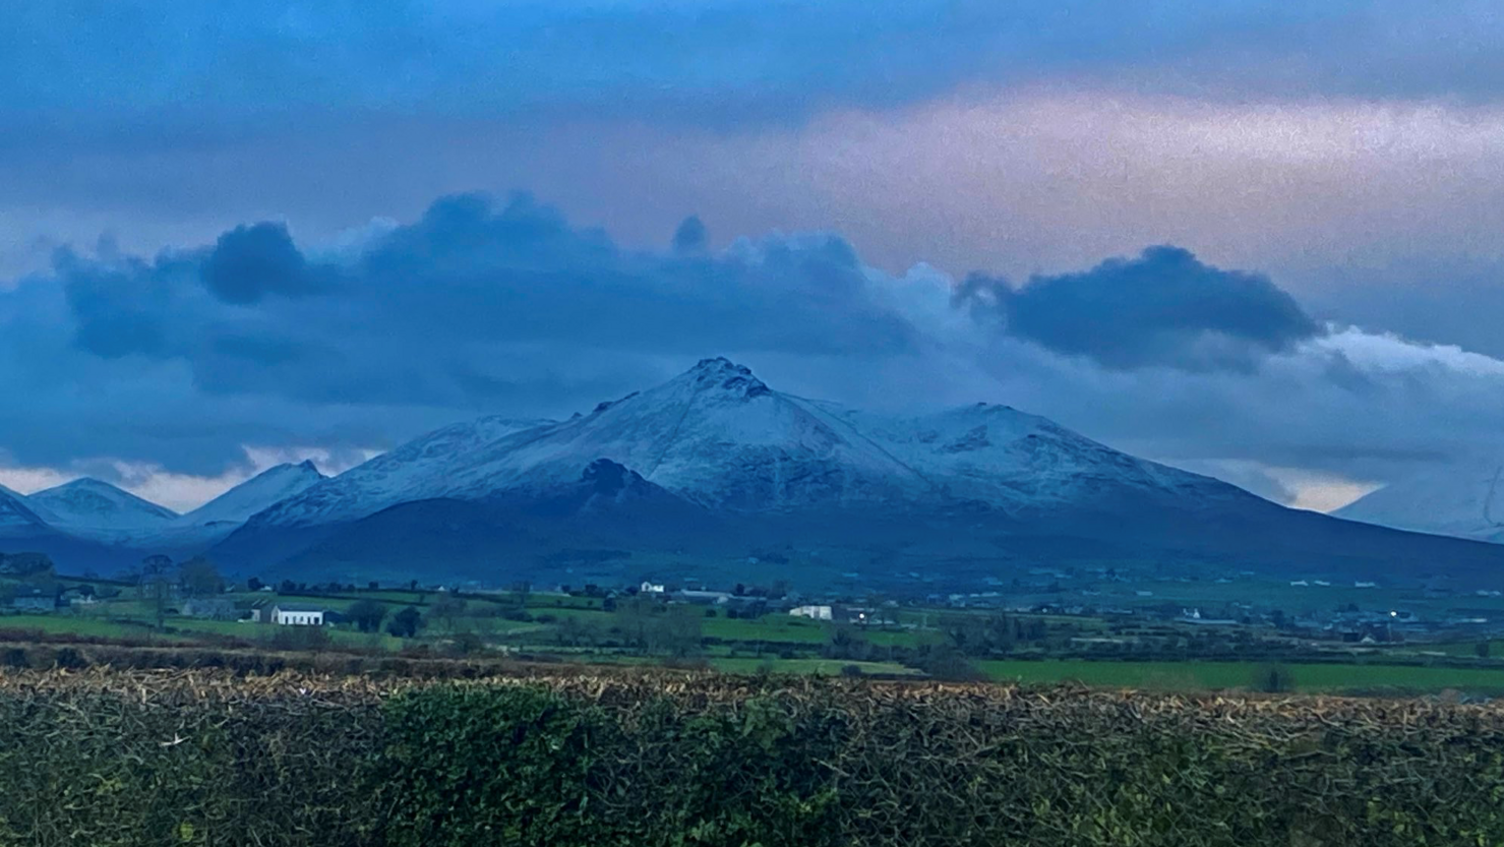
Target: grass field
x: 1226, y: 675
x: 828, y: 667
x: 73, y: 625
x: 768, y: 628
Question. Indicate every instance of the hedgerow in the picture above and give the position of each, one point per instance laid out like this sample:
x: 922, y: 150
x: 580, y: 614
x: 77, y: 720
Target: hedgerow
x: 561, y: 757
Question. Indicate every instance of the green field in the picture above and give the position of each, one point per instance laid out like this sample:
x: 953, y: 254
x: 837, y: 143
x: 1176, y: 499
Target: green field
x: 767, y: 628
x: 1227, y: 675
x: 73, y: 625
x: 828, y: 667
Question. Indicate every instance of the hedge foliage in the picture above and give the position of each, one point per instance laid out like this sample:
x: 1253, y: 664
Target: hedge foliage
x: 132, y: 758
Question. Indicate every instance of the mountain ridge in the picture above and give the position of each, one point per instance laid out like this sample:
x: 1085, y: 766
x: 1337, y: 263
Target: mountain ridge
x: 92, y: 506
x: 721, y: 465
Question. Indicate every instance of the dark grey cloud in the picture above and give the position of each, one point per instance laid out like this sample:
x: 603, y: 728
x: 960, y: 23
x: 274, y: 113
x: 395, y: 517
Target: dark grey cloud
x: 250, y: 262
x: 691, y: 236
x: 1164, y: 308
x: 477, y: 306
x: 480, y: 306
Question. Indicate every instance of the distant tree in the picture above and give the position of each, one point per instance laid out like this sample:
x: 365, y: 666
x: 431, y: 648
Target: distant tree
x: 367, y: 615
x: 1482, y: 649
x: 846, y: 642
x: 608, y: 604
x: 156, y: 584
x: 520, y: 591
x: 851, y: 670
x: 945, y: 662
x: 446, y: 609
x: 412, y: 585
x: 199, y: 577
x: 33, y: 565
x: 1274, y: 679
x: 406, y: 623
x: 466, y: 643
x: 254, y: 584
x: 287, y: 586
x: 373, y: 585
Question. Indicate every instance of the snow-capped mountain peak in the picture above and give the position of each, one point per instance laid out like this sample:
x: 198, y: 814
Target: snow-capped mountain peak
x: 260, y: 492
x: 92, y: 504
x: 719, y: 437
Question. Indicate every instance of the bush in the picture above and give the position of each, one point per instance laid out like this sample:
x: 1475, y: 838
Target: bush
x: 609, y: 759
x: 298, y: 638
x: 1274, y: 679
x: 473, y: 766
x: 406, y: 623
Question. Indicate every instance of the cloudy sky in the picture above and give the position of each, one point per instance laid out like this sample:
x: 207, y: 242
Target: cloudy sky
x: 1255, y: 239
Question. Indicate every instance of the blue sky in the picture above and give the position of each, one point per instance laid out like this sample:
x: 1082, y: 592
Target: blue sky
x: 1257, y: 239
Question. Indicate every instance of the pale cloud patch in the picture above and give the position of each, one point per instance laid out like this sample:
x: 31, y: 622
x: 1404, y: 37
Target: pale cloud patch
x: 185, y: 492
x: 1319, y: 492
x: 30, y: 480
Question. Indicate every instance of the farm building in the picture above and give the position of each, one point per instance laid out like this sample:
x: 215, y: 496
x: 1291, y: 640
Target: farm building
x: 212, y: 608
x: 297, y: 614
x: 34, y: 600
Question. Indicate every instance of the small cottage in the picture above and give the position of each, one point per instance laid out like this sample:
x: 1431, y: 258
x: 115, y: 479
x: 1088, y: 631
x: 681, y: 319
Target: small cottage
x: 297, y: 614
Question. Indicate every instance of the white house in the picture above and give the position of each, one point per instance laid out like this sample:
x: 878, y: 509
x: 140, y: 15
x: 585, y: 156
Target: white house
x: 297, y: 614
x: 650, y: 588
x: 818, y: 613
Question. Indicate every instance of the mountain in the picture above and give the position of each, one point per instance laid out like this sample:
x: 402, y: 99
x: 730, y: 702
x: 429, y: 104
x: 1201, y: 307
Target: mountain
x: 254, y: 495
x: 715, y: 474
x: 1467, y: 502
x: 420, y: 469
x: 17, y: 517
x: 717, y: 436
x: 93, y: 508
x: 25, y: 528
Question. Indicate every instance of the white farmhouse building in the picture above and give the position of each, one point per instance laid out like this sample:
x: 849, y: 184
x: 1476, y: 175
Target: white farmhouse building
x: 297, y: 614
x: 818, y: 613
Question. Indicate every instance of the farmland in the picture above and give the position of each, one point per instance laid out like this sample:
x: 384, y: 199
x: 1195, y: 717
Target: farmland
x: 899, y: 642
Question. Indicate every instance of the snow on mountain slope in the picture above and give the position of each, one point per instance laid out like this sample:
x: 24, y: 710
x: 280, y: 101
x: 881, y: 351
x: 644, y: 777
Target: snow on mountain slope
x: 417, y: 470
x: 254, y: 495
x: 1467, y: 502
x: 89, y: 506
x: 720, y: 438
x: 17, y: 517
x: 1003, y: 457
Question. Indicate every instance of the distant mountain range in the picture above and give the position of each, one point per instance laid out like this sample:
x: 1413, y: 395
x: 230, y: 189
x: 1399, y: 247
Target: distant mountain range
x: 1466, y: 502
x: 99, y: 525
x: 715, y: 475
